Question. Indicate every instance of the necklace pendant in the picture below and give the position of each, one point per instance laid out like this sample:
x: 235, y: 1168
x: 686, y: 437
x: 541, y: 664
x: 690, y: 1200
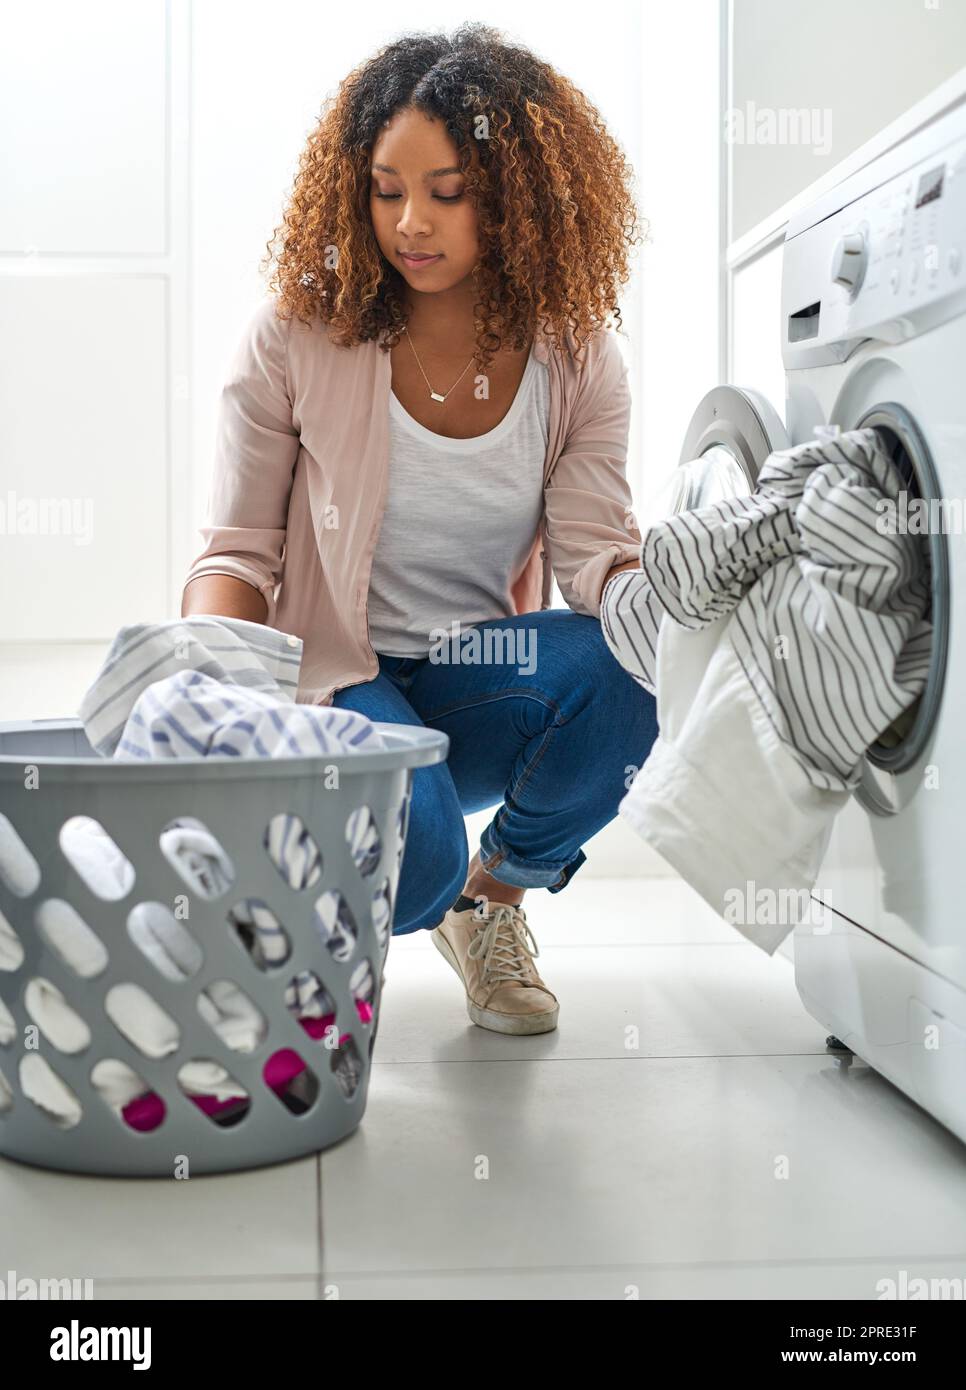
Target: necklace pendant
x: 435, y: 396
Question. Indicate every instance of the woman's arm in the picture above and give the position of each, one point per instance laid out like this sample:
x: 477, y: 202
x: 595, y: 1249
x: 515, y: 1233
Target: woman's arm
x: 256, y: 449
x: 224, y: 595
x: 588, y: 507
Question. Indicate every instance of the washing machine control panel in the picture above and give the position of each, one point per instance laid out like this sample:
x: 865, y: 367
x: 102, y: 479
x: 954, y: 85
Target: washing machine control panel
x: 888, y: 264
x: 916, y: 236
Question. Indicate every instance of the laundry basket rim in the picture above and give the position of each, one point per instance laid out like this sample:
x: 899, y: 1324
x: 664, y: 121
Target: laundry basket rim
x: 411, y: 746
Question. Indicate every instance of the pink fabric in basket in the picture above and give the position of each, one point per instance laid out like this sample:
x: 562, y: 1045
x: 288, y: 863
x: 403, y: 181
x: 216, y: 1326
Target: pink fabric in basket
x: 146, y: 1112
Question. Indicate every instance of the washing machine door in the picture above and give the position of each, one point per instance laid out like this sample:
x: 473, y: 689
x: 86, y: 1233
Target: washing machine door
x: 893, y: 863
x: 732, y: 432
x: 902, y: 747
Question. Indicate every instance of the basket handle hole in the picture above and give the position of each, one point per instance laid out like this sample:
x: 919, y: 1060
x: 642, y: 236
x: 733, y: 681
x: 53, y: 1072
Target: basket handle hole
x: 382, y: 914
x: 259, y: 931
x: 197, y: 857
x: 58, y: 1022
x: 141, y: 1020
x: 164, y: 941
x: 362, y: 837
x: 70, y: 938
x: 346, y: 1066
x: 311, y: 1003
x: 362, y: 986
x: 6, y: 1096
x: 292, y: 850
x: 128, y: 1095
x: 7, y: 1025
x: 296, y: 1085
x: 216, y: 1093
x: 96, y: 859
x: 232, y: 1015
x: 19, y: 870
x: 335, y: 924
x: 48, y: 1091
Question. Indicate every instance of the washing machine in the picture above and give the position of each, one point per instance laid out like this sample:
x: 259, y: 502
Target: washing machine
x: 873, y: 323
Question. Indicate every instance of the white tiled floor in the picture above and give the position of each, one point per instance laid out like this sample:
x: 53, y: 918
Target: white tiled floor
x: 633, y: 1150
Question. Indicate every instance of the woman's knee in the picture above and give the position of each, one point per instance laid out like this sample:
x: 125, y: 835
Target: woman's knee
x: 615, y: 712
x: 591, y: 665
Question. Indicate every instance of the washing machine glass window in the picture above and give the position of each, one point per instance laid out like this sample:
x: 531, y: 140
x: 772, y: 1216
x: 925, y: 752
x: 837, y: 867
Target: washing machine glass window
x: 732, y: 432
x: 713, y: 477
x: 903, y: 743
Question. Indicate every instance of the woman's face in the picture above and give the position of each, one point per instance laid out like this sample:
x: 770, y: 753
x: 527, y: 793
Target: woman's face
x: 417, y: 203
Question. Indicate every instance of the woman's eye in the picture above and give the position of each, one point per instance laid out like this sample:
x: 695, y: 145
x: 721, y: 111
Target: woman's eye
x: 453, y: 198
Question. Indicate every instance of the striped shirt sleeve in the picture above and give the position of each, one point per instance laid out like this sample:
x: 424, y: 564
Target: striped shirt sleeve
x: 630, y: 616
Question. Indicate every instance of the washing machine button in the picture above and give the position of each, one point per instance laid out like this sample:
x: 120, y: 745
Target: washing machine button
x: 850, y: 261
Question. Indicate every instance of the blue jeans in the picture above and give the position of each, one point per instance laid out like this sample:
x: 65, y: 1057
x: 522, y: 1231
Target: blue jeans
x: 554, y: 746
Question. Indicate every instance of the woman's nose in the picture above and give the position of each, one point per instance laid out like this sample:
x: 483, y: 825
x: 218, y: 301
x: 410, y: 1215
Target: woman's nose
x: 412, y: 221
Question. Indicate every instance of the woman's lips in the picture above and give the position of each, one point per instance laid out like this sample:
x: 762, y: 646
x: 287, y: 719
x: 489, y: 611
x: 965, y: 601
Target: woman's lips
x: 417, y: 264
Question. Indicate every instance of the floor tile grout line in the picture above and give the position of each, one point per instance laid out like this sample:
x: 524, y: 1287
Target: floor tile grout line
x: 670, y: 1057
x: 818, y: 1262
x: 241, y: 1279
x: 670, y: 1266
x: 320, y: 1226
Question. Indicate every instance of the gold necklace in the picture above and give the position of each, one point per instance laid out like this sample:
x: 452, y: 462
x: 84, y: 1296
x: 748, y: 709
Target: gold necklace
x: 434, y: 395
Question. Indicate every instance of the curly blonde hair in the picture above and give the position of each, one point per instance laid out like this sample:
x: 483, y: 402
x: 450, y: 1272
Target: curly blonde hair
x: 550, y: 187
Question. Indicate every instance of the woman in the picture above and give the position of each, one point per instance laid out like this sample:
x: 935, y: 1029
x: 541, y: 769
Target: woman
x: 431, y: 418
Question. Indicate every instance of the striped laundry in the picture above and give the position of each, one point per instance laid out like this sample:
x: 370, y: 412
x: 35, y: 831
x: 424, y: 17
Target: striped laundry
x: 830, y: 610
x: 233, y: 650
x: 189, y: 714
x: 782, y: 633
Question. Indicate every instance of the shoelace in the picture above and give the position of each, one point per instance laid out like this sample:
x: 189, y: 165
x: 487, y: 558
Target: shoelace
x: 501, y: 937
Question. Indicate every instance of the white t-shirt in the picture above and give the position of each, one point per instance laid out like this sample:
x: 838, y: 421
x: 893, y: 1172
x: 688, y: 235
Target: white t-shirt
x: 460, y: 518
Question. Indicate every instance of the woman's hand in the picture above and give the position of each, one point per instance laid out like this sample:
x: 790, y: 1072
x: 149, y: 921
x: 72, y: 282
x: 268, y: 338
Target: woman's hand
x: 627, y: 565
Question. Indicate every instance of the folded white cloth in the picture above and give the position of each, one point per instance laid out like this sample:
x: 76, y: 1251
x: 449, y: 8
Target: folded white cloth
x: 783, y: 633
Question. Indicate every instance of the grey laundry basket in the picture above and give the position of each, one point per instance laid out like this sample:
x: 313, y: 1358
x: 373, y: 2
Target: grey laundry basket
x: 48, y: 774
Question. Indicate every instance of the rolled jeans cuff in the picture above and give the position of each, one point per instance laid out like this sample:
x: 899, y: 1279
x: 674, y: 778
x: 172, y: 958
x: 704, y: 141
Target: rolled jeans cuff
x: 505, y: 866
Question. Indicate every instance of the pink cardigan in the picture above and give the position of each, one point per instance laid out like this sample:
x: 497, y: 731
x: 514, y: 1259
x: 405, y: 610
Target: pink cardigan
x: 299, y: 486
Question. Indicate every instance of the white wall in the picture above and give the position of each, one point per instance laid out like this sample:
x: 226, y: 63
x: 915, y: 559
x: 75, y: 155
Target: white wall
x: 681, y: 336
x: 148, y: 149
x: 855, y: 64
x: 93, y: 354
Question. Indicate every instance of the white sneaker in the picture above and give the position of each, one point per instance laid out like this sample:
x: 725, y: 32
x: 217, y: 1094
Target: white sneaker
x: 493, y: 956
